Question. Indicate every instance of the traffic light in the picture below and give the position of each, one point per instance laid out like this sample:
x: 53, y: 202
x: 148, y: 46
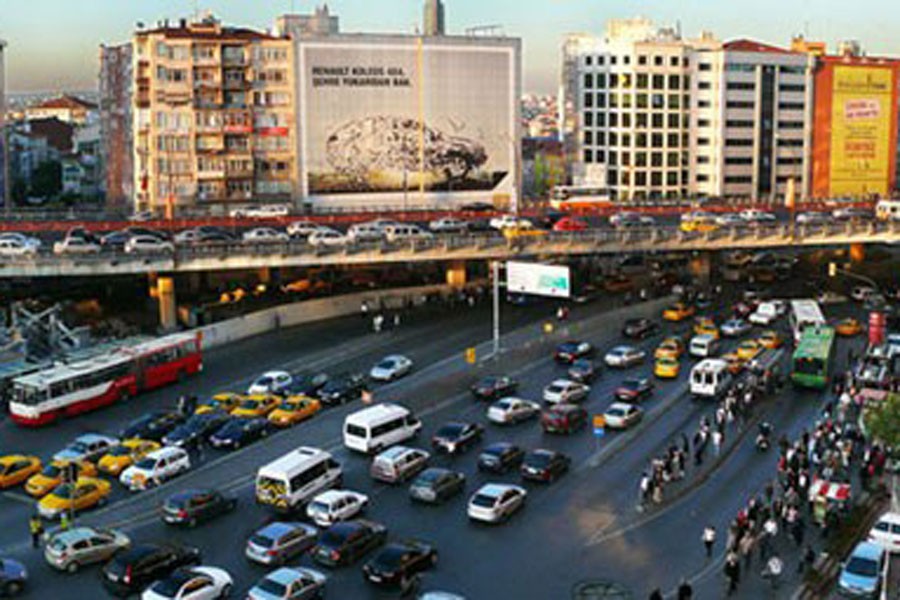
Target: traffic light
x: 832, y: 269
x: 470, y: 356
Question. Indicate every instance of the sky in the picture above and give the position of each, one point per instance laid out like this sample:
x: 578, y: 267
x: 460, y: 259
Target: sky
x: 54, y: 44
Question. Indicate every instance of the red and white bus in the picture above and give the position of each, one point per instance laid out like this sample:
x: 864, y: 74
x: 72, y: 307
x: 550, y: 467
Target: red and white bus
x: 74, y: 388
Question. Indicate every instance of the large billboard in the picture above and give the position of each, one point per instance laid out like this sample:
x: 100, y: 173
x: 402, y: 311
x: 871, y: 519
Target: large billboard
x: 407, y: 119
x: 538, y: 279
x: 861, y: 118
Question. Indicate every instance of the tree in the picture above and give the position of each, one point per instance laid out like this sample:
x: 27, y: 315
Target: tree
x: 882, y: 421
x: 46, y: 181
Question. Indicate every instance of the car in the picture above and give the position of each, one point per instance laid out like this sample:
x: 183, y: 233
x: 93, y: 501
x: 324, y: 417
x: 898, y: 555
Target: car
x: 735, y: 327
x: 406, y: 232
x: 624, y: 356
x: 563, y: 390
x: 511, y: 410
x: 397, y: 564
x: 861, y: 293
x: 678, y: 312
x: 270, y: 382
x: 671, y: 347
x: 155, y: 468
x: 13, y: 577
x: 748, y: 349
x: 754, y: 215
x: 42, y: 483
x: 861, y: 574
x: 448, y: 225
x: 477, y: 207
x: 770, y: 340
x: 17, y: 468
x: 622, y: 415
x: 886, y: 532
x: 260, y: 211
x: 196, y: 429
x: 848, y: 327
x: 735, y: 363
x: 391, y: 367
x: 301, y: 229
x: 398, y: 463
x: 851, y: 214
x: 134, y: 569
x: 667, y: 368
x: 502, y: 222
x: 224, y: 401
x: 496, y: 502
x: 257, y: 405
x: 138, y: 244
x: 333, y: 506
x: 494, y: 386
x: 124, y: 455
x: 293, y: 410
x: 192, y: 506
x: 265, y: 235
x: 563, y: 418
x: 346, y: 542
x: 280, y: 541
x: 500, y: 457
x: 617, y: 283
x: 639, y: 328
x: 214, y: 238
x: 829, y: 297
x: 289, y: 583
x: 325, y: 237
x: 304, y: 384
x: 85, y: 493
x: 72, y: 549
x: 571, y: 224
x: 342, y: 388
x: 455, y: 437
x: 15, y: 247
x: 570, y: 351
x: 153, y: 425
x: 238, y: 432
x: 634, y: 389
x: 200, y: 583
x: 627, y: 220
x: 583, y: 370
x: 544, y: 465
x: 75, y: 245
x: 435, y: 485
x: 706, y: 326
x: 88, y: 446
x: 730, y: 220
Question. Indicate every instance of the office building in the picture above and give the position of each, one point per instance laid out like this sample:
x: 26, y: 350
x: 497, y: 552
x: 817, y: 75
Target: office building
x: 433, y: 20
x: 321, y: 22
x: 116, y: 141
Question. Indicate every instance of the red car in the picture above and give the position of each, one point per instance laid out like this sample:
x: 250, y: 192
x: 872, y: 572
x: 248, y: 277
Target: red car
x: 563, y: 418
x: 570, y: 224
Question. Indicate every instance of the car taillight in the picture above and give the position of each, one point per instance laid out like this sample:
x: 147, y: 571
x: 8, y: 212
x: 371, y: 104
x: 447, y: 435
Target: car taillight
x: 271, y: 552
x: 127, y: 578
x: 545, y: 475
x: 182, y: 514
x: 335, y: 555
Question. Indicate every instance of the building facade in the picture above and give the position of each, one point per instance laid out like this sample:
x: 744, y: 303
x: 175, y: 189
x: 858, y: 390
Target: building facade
x: 68, y: 109
x: 116, y: 140
x: 5, y: 182
x: 321, y: 22
x: 433, y: 18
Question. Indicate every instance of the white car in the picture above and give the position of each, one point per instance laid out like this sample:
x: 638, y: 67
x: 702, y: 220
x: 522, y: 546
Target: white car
x: 624, y: 356
x: 14, y: 247
x: 861, y: 293
x: 391, y: 367
x: 622, y: 415
x: 512, y: 410
x: 75, y: 245
x: 301, y: 229
x: 158, y: 466
x: 147, y: 243
x: 382, y: 224
x: 448, y: 225
x: 813, y: 218
x: 754, y: 215
x: 406, y: 232
x: 886, y: 532
x: 332, y: 506
x: 25, y: 240
x: 829, y: 297
x: 496, y: 502
x: 264, y: 235
x: 188, y: 236
x: 735, y: 327
x: 191, y: 583
x: 270, y: 382
x: 730, y: 220
x: 325, y: 236
x: 289, y: 583
x: 509, y: 221
x: 631, y: 219
x: 565, y: 391
x: 265, y: 211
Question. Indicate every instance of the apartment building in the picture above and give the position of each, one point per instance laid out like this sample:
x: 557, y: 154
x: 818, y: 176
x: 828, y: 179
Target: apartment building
x: 116, y: 141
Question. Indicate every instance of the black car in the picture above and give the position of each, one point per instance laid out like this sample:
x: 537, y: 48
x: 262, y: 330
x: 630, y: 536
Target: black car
x: 115, y: 240
x: 190, y: 507
x: 639, y: 328
x: 500, y: 457
x: 494, y: 386
x: 397, y: 564
x: 456, y: 437
x: 238, y: 432
x: 583, y: 370
x: 346, y: 542
x: 435, y: 485
x: 196, y: 429
x: 477, y: 207
x: 133, y: 231
x: 304, y: 385
x: 634, y: 388
x: 153, y: 425
x: 215, y: 237
x: 569, y: 352
x: 132, y: 570
x: 13, y: 577
x: 342, y: 388
x: 544, y: 465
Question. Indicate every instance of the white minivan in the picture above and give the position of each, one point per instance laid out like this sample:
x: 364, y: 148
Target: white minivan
x: 710, y: 378
x: 293, y: 479
x: 406, y: 232
x: 705, y: 345
x: 375, y: 428
x: 158, y: 466
x: 767, y: 312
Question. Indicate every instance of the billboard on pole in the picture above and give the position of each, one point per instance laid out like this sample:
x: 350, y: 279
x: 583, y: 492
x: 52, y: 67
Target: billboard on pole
x: 537, y: 279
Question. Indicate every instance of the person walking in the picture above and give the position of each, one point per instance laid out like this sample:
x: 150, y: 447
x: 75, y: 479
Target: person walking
x: 745, y: 547
x: 806, y: 560
x: 685, y: 591
x: 773, y: 570
x: 709, y: 539
x: 732, y: 572
x: 64, y: 522
x: 36, y: 527
x: 717, y: 439
x: 655, y: 595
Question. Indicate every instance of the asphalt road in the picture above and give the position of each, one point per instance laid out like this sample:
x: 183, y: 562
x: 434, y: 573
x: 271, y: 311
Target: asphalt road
x: 584, y: 526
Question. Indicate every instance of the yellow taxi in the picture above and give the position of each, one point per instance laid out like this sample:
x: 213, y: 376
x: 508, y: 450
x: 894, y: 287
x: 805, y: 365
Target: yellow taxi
x: 771, y: 340
x: 678, y: 312
x: 706, y: 326
x: 667, y: 368
x: 735, y: 362
x: 748, y: 349
x: 294, y: 409
x: 226, y: 401
x: 126, y: 454
x: 848, y: 327
x: 256, y: 405
x: 671, y: 347
x: 85, y: 493
x: 522, y: 230
x: 702, y: 225
x: 51, y: 476
x: 16, y: 468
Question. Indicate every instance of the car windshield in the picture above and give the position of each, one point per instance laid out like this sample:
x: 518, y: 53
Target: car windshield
x: 428, y: 477
x: 120, y: 451
x: 232, y: 427
x: 261, y: 541
x: 503, y: 405
x: 78, y: 447
x: 263, y: 381
x: 581, y: 365
x: 147, y: 463
x: 555, y: 388
x: 332, y: 538
x: 390, y: 558
x: 862, y: 567
x: 250, y: 404
x: 51, y: 470
x: 616, y: 412
x: 483, y: 500
x: 319, y: 506
x: 386, y: 364
x: 168, y: 588
x: 270, y: 586
x: 539, y: 459
x: 451, y: 430
x: 64, y: 491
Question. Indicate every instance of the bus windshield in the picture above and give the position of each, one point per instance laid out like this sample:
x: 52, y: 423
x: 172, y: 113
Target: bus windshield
x: 27, y: 394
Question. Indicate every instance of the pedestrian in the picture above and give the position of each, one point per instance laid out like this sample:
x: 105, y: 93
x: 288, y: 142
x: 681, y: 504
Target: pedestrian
x: 798, y: 531
x: 807, y: 559
x: 685, y: 591
x: 36, y: 527
x: 364, y: 309
x: 709, y: 539
x: 717, y: 438
x: 732, y: 572
x: 773, y: 570
x: 396, y: 320
x: 192, y: 404
x: 655, y: 595
x: 182, y: 405
x: 64, y: 523
x: 377, y: 322
x: 745, y: 547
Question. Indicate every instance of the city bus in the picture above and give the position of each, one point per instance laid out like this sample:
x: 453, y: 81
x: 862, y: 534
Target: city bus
x: 811, y: 362
x: 804, y: 314
x: 69, y: 389
x: 887, y: 210
x: 567, y: 197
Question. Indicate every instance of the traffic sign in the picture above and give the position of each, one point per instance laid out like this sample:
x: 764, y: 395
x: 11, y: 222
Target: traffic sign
x: 366, y: 397
x: 599, y: 426
x: 470, y: 356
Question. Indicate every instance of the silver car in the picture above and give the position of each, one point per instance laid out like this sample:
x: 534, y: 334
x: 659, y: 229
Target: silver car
x: 75, y: 548
x: 279, y: 541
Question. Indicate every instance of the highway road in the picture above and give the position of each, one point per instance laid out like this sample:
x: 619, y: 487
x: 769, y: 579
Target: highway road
x: 583, y: 527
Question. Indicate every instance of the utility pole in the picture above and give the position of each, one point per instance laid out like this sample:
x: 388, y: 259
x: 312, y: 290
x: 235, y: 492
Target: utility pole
x: 496, y: 275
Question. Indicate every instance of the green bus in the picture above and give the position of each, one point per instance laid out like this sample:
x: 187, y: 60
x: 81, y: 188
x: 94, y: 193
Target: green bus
x: 812, y: 358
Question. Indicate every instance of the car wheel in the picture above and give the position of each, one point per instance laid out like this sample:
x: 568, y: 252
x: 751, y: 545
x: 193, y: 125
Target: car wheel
x: 72, y: 567
x: 434, y: 559
x: 13, y: 588
x: 192, y: 523
x: 226, y: 591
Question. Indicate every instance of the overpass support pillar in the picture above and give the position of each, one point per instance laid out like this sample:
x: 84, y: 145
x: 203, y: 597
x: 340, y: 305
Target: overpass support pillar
x: 857, y: 253
x: 165, y: 292
x: 265, y: 275
x: 456, y: 274
x: 700, y: 268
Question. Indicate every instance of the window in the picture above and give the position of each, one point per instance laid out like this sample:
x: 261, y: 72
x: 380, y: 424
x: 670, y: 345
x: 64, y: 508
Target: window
x: 739, y: 104
x: 738, y: 160
x: 792, y: 70
x: 640, y: 178
x: 703, y: 104
x: 601, y: 137
x: 738, y: 142
x: 739, y: 124
x: 613, y: 138
x: 601, y: 156
x: 601, y: 100
x: 703, y: 159
x: 790, y: 160
x: 702, y: 177
x: 792, y: 87
x: 703, y: 122
x: 588, y: 138
x: 740, y: 85
x: 643, y: 80
x: 659, y: 82
x: 587, y: 60
x: 588, y: 156
x: 672, y: 159
x: 740, y: 68
x: 641, y: 140
x: 656, y: 159
x: 675, y: 101
x: 613, y: 158
x: 601, y: 80
x: 589, y: 100
x: 656, y: 179
x: 641, y: 100
x: 656, y: 140
x: 626, y: 120
x: 588, y: 119
x: 672, y: 140
x: 673, y: 61
x: 738, y: 179
x: 626, y: 140
x: 588, y: 81
x: 657, y: 120
x: 614, y: 100
x: 704, y: 67
x: 641, y: 119
x: 601, y: 119
x: 626, y: 100
x: 787, y: 143
x: 703, y: 141
x: 674, y: 82
x: 673, y: 121
x: 672, y: 178
x: 613, y: 59
x: 626, y: 59
x: 791, y: 106
x: 613, y: 119
x: 790, y: 124
x: 658, y: 61
x: 601, y: 61
x: 642, y: 59
x: 613, y: 80
x: 640, y: 159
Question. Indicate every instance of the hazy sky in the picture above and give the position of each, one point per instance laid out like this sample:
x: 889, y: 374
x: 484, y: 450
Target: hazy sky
x: 53, y: 44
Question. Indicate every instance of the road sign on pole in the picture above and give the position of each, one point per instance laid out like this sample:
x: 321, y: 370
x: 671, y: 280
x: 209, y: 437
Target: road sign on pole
x: 599, y: 426
x: 366, y: 397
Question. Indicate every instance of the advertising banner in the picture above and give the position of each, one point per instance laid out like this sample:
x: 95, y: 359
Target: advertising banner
x: 538, y: 279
